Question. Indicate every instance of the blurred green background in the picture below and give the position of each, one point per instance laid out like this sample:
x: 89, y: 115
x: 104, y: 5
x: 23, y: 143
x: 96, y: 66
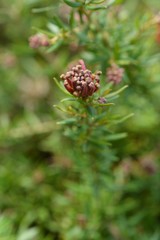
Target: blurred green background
x: 43, y: 193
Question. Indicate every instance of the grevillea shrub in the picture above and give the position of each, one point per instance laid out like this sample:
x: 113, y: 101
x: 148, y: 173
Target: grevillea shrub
x: 79, y: 154
x: 96, y: 114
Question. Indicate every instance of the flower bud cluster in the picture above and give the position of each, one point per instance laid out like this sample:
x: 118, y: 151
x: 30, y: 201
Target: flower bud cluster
x: 102, y: 100
x: 80, y: 81
x: 37, y: 40
x: 114, y: 74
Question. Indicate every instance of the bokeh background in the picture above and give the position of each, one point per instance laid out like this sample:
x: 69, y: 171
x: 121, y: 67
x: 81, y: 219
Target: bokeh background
x: 42, y: 193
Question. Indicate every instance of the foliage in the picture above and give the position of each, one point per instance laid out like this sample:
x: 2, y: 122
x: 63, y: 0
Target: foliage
x: 85, y: 168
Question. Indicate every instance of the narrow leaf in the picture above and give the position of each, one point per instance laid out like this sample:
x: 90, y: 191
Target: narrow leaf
x: 106, y: 92
x: 99, y: 117
x: 72, y: 19
x: 107, y: 86
x: 96, y: 7
x: 90, y: 111
x: 116, y: 92
x: 115, y: 137
x: 67, y: 121
x: 99, y: 142
x: 73, y: 4
x: 97, y: 2
x: 68, y: 99
x: 113, y: 98
x: 124, y: 118
x: 61, y: 109
x: 60, y: 87
x: 55, y: 46
x: 49, y: 34
x: 108, y: 4
x: 44, y: 9
x: 104, y: 104
x: 53, y: 28
x: 59, y: 22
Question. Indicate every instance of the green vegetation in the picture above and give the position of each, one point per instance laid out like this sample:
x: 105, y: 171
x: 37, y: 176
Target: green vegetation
x: 90, y: 171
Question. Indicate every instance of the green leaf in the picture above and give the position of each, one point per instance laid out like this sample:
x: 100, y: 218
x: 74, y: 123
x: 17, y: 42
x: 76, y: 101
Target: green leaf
x: 107, y: 86
x: 106, y: 92
x: 67, y: 121
x: 68, y: 99
x: 123, y: 119
x: 99, y: 117
x: 73, y: 4
x: 44, y: 9
x: 117, y: 136
x: 55, y: 46
x: 90, y: 111
x: 61, y: 109
x: 108, y: 4
x: 59, y: 22
x: 118, y: 91
x: 49, y: 34
x: 72, y: 19
x: 53, y: 28
x: 97, y: 2
x: 60, y: 87
x: 113, y: 98
x: 96, y: 7
x: 104, y: 104
x: 99, y: 142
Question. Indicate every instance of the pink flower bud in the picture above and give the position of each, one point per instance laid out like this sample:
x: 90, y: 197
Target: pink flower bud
x: 37, y: 40
x: 115, y: 74
x: 102, y: 100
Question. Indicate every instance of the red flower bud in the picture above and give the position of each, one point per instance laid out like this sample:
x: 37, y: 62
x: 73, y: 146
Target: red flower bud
x: 80, y: 81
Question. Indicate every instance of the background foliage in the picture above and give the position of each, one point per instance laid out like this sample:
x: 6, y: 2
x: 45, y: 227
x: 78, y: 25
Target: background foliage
x: 49, y: 188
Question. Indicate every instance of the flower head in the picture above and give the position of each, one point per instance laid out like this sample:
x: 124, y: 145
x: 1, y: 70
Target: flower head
x: 80, y: 81
x: 114, y: 74
x: 37, y: 40
x: 102, y: 100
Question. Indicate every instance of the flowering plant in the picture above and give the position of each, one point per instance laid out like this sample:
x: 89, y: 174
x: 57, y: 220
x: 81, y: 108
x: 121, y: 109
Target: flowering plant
x: 93, y: 130
x: 91, y: 118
